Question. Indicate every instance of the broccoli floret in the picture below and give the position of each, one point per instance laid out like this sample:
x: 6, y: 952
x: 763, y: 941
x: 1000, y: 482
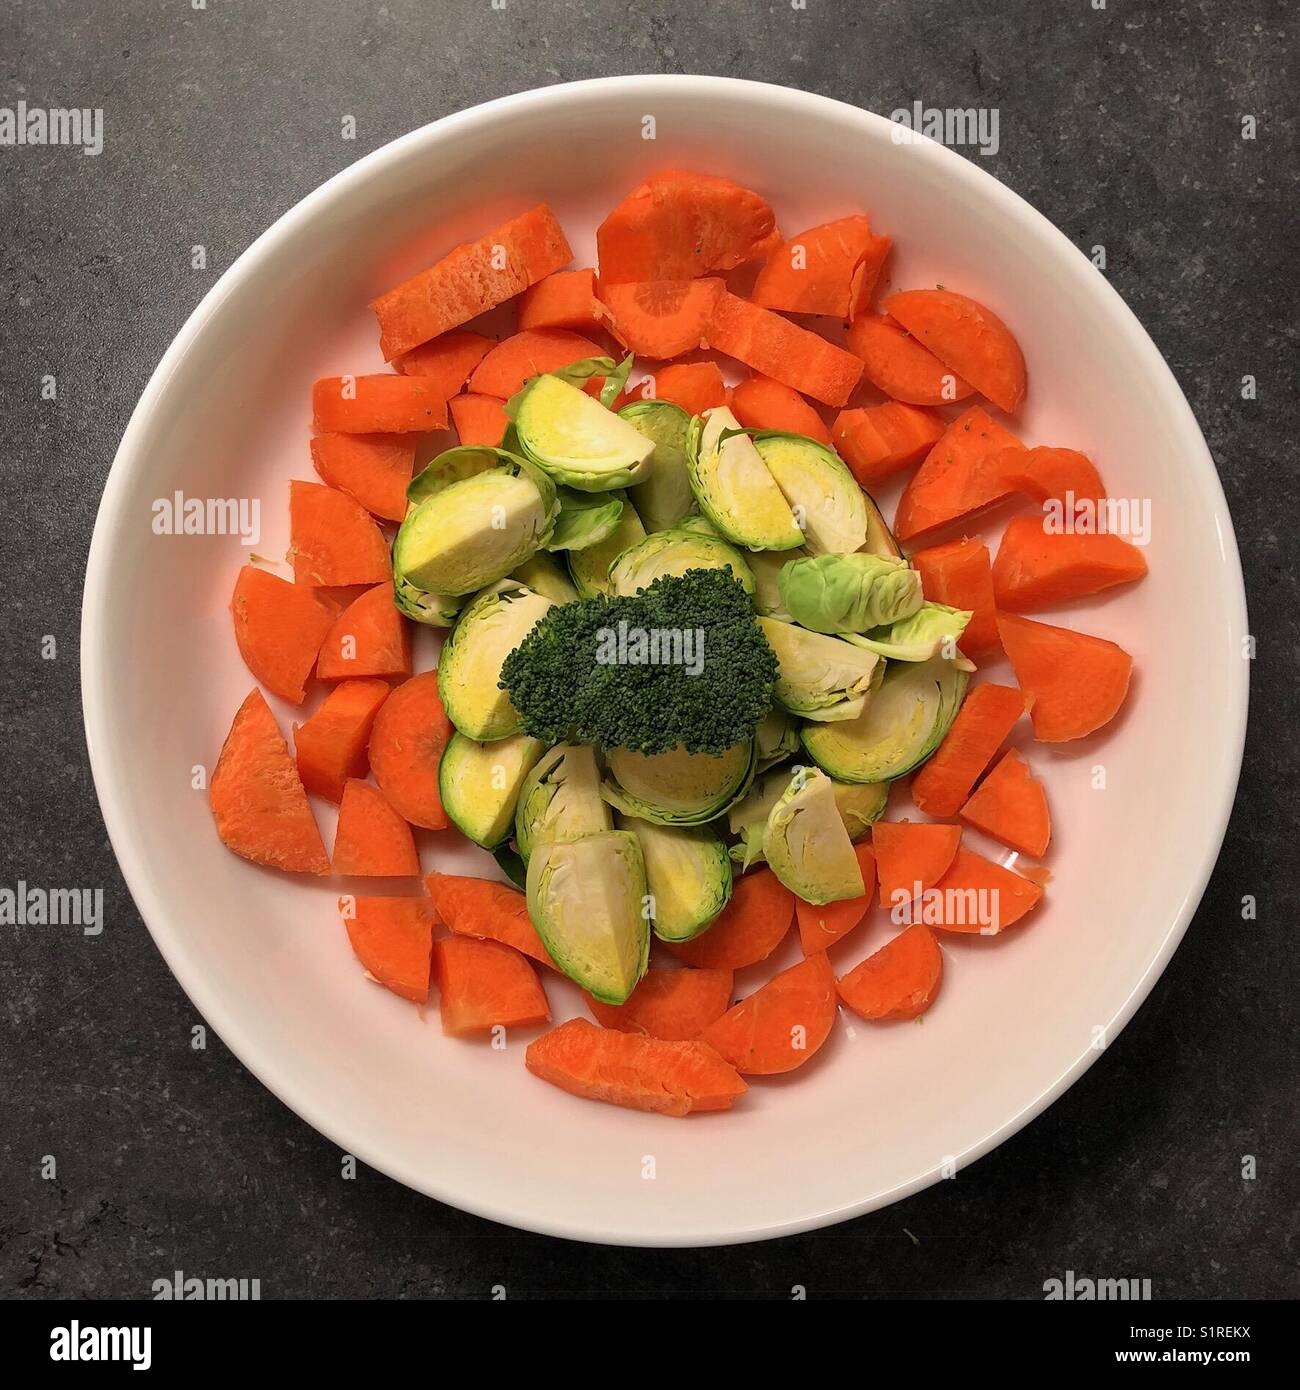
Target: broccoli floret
x: 682, y: 662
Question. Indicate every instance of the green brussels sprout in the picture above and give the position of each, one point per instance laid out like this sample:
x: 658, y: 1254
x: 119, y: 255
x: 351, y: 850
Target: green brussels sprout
x: 819, y: 677
x: 767, y: 566
x: 480, y: 782
x: 859, y: 804
x: 824, y: 496
x: 547, y: 577
x: 776, y: 737
x: 698, y: 524
x: 560, y: 799
x: 590, y: 568
x: 733, y: 486
x: 665, y: 497
x: 806, y: 844
x: 575, y: 439
x: 688, y: 875
x: 586, y: 518
x: 675, y: 552
x: 434, y: 610
x: 849, y: 593
x: 933, y: 630
x: 677, y: 787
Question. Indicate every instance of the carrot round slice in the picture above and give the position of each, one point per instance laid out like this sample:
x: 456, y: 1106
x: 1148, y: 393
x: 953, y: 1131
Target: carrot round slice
x: 877, y: 441
x: 479, y: 419
x: 505, y: 369
x: 1011, y: 806
x: 369, y: 638
x: 1037, y: 568
x: 967, y: 337
x: 782, y: 1024
x: 406, y: 743
x: 985, y: 719
x: 333, y: 540
x: 279, y: 628
x: 1044, y: 473
x: 676, y: 1005
x: 661, y: 318
x: 895, y: 363
x: 566, y: 299
x: 821, y: 927
x: 482, y: 907
x: 977, y: 896
x: 695, y: 386
x: 911, y: 856
x: 393, y: 939
x: 830, y: 270
x: 750, y: 927
x: 899, y: 981
x: 374, y: 469
x: 960, y: 575
x: 446, y: 360
x: 378, y: 404
x: 962, y: 474
x: 257, y: 798
x: 484, y: 985
x: 760, y: 403
x: 372, y: 840
x: 331, y: 746
x: 1076, y: 682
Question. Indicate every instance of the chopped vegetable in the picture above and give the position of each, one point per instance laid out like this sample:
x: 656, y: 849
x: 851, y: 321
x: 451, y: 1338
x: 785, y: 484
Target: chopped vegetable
x: 850, y: 593
x: 987, y: 717
x: 479, y: 419
x: 560, y: 799
x: 911, y: 857
x: 695, y: 386
x: 831, y: 270
x: 759, y: 403
x: 821, y: 926
x: 665, y: 497
x: 406, y: 743
x: 749, y: 928
x: 331, y: 746
x: 1075, y: 683
x: 676, y: 552
x: 677, y: 787
x: 447, y: 360
x: 1011, y: 806
x: 688, y: 875
x: 1037, y: 568
x: 661, y: 319
x: 279, y: 628
x: 576, y: 439
x: 826, y: 500
x: 372, y: 840
x: 479, y: 907
x: 899, y: 981
x: 483, y: 985
x: 735, y: 488
x: 480, y: 784
x: 369, y: 638
x: 1043, y: 473
x: 932, y: 631
x: 819, y: 677
x: 897, y: 364
x: 959, y: 574
x: 374, y: 469
x: 589, y: 569
x: 675, y: 1005
x: 566, y: 299
x: 379, y: 404
x: 782, y: 1025
x: 878, y: 441
x: 972, y: 878
x: 393, y: 939
x: 806, y: 844
x: 333, y: 541
x: 517, y: 360
x: 547, y: 577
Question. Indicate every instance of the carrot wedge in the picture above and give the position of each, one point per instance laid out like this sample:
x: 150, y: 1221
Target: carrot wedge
x: 406, y: 743
x: 986, y: 717
x: 331, y: 746
x: 565, y: 299
x: 1011, y: 806
x: 1036, y: 567
x: 479, y: 419
x: 483, y: 908
x: 977, y: 896
x: 661, y: 319
x: 675, y: 1005
x: 830, y: 270
x: 393, y: 939
x: 470, y: 280
x: 962, y: 474
x: 695, y: 386
x: 899, y: 981
x: 447, y: 360
x: 760, y: 403
x: 279, y: 628
x: 379, y: 404
x: 821, y: 927
x: 877, y: 441
x: 782, y: 1024
x: 505, y: 369
x: 369, y: 638
x: 257, y: 798
x: 1044, y: 473
x: 911, y: 856
x: 959, y: 574
x: 1076, y: 682
x: 484, y: 985
x: 751, y: 926
x: 373, y: 469
x: 904, y: 369
x: 333, y: 540
x: 372, y: 840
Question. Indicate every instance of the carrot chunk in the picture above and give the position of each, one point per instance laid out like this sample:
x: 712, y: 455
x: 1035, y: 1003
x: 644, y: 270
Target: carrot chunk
x: 977, y: 896
x: 372, y: 840
x: 695, y: 386
x: 470, y: 280
x: 483, y: 985
x: 566, y: 299
x: 479, y: 419
x: 678, y: 225
x: 985, y: 719
x: 369, y: 638
x: 505, y: 369
x: 331, y: 745
x: 751, y: 926
x: 899, y: 981
x: 406, y: 743
x: 767, y: 343
x: 333, y: 540
x: 373, y: 469
x: 279, y: 628
x: 676, y: 1005
x: 257, y: 798
x: 1044, y: 473
x: 666, y: 1078
x: 1076, y: 683
x: 661, y: 318
x: 895, y: 363
x: 877, y: 441
x: 966, y: 337
x: 959, y: 574
x: 821, y: 927
x: 760, y: 403
x: 911, y: 856
x: 1011, y: 806
x: 482, y: 907
x: 831, y: 270
x: 378, y: 404
x: 1037, y: 568
x: 782, y: 1024
x: 393, y: 939
x: 447, y: 360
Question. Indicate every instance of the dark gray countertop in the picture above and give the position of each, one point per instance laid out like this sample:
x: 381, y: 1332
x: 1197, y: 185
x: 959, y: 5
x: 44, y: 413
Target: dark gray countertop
x: 1123, y: 125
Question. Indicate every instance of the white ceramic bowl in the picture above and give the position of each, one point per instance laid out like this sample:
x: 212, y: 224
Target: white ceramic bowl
x: 880, y: 1112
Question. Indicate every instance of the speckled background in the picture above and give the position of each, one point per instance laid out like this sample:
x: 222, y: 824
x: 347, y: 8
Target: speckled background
x: 1123, y: 124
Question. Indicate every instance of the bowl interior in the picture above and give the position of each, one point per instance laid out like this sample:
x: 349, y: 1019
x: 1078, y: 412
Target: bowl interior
x: 1138, y: 814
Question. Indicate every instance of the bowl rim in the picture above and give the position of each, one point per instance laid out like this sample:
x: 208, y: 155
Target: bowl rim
x: 128, y: 843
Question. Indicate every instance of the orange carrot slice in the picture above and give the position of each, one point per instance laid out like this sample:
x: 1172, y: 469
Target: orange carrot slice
x: 1037, y: 568
x: 782, y: 1024
x: 960, y: 475
x: 901, y: 980
x: 372, y: 840
x: 821, y: 927
x: 895, y: 363
x: 966, y: 337
x: 767, y: 343
x: 331, y: 745
x: 695, y: 386
x: 369, y: 638
x: 661, y: 318
x: 377, y: 404
x: 279, y: 628
x: 676, y: 1005
x: 257, y: 799
x: 566, y: 299
x: 1011, y: 806
x: 482, y: 907
x: 959, y: 574
x: 475, y: 277
x: 750, y: 927
x: 877, y: 441
x: 333, y: 540
x: 760, y: 403
x: 639, y: 1073
x: 911, y: 856
x: 986, y: 717
x: 1076, y: 683
x: 483, y: 985
x: 406, y: 743
x: 393, y: 939
x: 479, y: 419
x: 447, y: 360
x: 831, y: 269
x: 505, y: 369
x: 977, y: 896
x: 678, y: 225
x: 1044, y: 473
x: 374, y: 469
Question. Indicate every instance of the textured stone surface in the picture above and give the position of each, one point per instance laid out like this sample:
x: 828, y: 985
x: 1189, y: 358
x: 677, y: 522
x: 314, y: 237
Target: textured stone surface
x: 1122, y: 125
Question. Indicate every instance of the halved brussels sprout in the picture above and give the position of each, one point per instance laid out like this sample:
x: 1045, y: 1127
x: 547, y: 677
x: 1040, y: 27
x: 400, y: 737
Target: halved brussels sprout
x: 479, y: 784
x: 590, y: 568
x: 818, y: 677
x: 880, y: 539
x: 434, y: 610
x: 933, y: 630
x: 904, y: 722
x: 586, y: 518
x: 665, y: 497
x: 587, y: 899
x: 575, y: 439
x: 824, y: 496
x: 776, y: 737
x: 849, y: 593
x: 806, y: 845
x: 547, y: 577
x: 688, y: 874
x: 675, y: 552
x: 767, y: 566
x: 859, y: 804
x: 469, y: 670
x: 677, y: 787
x: 733, y: 486
x: 560, y: 799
